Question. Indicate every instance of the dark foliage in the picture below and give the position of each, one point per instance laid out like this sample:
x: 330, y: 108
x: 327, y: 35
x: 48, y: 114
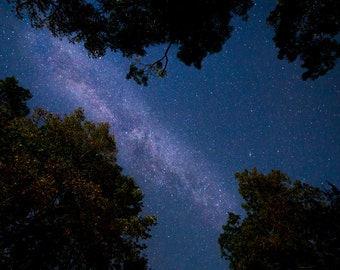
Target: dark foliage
x: 304, y: 29
x: 13, y: 99
x: 195, y: 27
x: 64, y: 202
x: 288, y: 225
x: 308, y: 30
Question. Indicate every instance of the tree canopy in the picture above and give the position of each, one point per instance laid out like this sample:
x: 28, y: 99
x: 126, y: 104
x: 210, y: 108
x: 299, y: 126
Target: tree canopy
x: 307, y: 30
x: 64, y: 202
x: 13, y: 99
x: 196, y: 27
x: 288, y: 225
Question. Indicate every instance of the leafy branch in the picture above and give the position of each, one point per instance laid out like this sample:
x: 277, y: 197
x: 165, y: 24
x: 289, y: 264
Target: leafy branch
x: 140, y: 72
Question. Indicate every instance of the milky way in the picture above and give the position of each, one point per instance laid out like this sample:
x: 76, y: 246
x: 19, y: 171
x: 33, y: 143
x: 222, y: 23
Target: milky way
x: 149, y: 151
x: 183, y: 141
x: 148, y: 148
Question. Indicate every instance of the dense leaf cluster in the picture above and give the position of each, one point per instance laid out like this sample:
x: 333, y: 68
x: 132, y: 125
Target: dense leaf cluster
x: 307, y: 30
x: 13, y: 99
x: 64, y: 203
x: 288, y: 225
x: 195, y: 27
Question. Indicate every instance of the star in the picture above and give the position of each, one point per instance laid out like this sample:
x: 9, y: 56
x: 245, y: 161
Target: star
x: 184, y: 137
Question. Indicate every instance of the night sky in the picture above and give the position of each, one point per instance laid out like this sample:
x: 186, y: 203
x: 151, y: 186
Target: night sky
x: 183, y: 138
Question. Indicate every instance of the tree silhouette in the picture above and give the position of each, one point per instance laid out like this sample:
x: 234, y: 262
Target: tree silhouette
x: 195, y: 27
x: 308, y: 30
x: 13, y: 99
x: 288, y: 225
x: 64, y: 202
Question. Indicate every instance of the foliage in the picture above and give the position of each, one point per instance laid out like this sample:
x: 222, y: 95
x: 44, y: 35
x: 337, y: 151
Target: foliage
x: 309, y: 30
x: 304, y: 29
x: 141, y: 74
x: 13, y: 99
x: 195, y: 27
x: 288, y: 225
x: 64, y: 203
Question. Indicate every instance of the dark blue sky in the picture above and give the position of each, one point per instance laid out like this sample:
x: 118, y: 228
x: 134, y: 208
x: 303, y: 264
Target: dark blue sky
x: 184, y: 137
